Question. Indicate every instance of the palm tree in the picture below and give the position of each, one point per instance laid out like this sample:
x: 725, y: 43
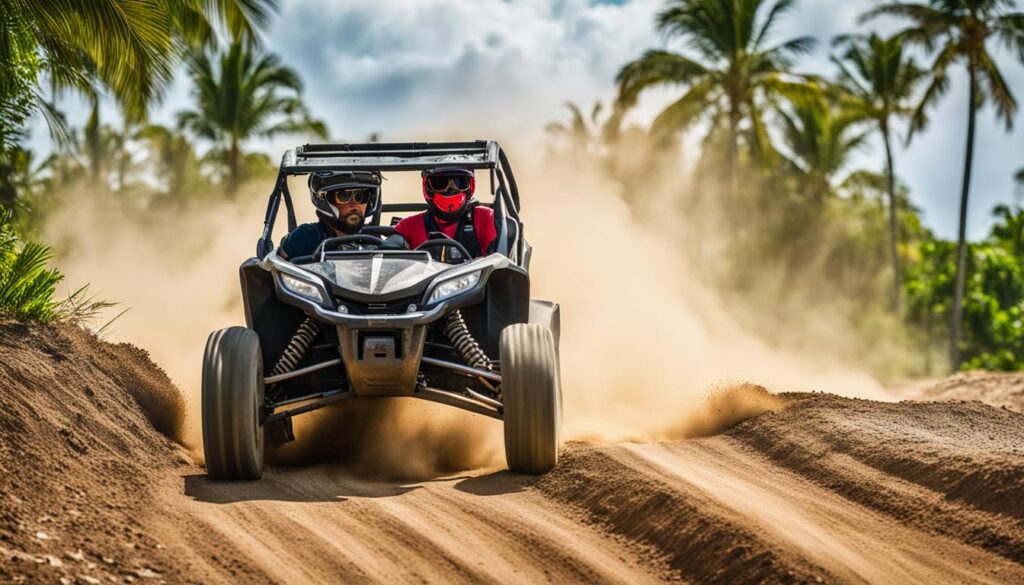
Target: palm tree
x: 21, y: 179
x: 127, y: 45
x: 961, y: 30
x: 587, y: 134
x: 877, y: 85
x: 1010, y: 229
x: 733, y: 75
x: 173, y: 159
x: 247, y: 94
x: 820, y: 139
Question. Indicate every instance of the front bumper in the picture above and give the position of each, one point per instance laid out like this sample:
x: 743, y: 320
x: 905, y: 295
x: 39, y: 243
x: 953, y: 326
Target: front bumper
x: 381, y: 353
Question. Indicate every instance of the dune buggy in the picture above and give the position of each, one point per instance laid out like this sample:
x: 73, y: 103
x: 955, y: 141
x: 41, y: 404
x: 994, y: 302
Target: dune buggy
x: 374, y: 322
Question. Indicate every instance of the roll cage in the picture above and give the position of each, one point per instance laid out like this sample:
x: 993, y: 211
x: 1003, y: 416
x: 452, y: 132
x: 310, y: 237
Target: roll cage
x: 405, y: 156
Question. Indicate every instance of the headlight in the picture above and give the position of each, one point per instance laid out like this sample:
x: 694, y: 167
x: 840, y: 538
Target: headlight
x: 454, y: 286
x: 302, y: 288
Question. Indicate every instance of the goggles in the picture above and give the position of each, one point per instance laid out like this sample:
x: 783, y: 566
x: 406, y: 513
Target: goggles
x: 341, y: 196
x: 452, y: 183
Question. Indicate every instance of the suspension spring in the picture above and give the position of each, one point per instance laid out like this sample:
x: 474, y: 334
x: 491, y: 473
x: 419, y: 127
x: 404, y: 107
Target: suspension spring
x: 296, y: 348
x: 462, y: 340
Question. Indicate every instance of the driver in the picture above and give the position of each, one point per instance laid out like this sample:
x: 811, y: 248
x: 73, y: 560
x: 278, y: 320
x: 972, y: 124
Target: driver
x: 452, y: 211
x: 342, y: 200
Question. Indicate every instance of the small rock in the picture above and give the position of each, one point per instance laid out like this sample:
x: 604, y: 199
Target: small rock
x: 109, y: 561
x: 42, y: 536
x: 65, y: 581
x: 54, y: 561
x: 89, y: 580
x: 147, y: 574
x: 77, y: 556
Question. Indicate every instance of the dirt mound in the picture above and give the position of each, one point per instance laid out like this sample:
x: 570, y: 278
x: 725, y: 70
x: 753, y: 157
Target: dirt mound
x: 85, y: 427
x: 797, y: 488
x: 828, y: 488
x: 1003, y: 389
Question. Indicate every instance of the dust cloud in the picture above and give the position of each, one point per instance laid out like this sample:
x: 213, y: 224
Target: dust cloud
x: 174, y: 270
x: 642, y: 340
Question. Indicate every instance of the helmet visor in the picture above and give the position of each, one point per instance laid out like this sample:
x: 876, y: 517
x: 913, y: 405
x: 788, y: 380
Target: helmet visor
x: 343, y: 195
x: 449, y: 183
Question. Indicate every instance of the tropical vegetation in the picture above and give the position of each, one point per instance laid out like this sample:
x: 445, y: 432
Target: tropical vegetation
x: 246, y: 94
x: 962, y: 31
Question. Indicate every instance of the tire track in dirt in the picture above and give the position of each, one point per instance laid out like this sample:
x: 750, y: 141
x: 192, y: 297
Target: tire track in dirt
x: 316, y: 525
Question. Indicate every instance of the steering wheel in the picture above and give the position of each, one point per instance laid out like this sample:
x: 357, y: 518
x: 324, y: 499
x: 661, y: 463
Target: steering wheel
x: 333, y: 243
x: 440, y: 240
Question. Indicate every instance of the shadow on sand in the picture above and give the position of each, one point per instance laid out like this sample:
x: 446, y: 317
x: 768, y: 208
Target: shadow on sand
x: 327, y: 484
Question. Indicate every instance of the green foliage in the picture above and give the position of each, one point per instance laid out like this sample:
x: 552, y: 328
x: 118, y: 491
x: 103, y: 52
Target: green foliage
x: 960, y: 31
x: 243, y: 94
x: 820, y: 139
x: 26, y: 286
x: 1008, y: 232
x: 993, y: 336
x: 736, y: 74
x: 128, y: 46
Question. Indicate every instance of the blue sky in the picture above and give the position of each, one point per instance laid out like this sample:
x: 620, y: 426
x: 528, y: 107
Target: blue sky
x: 503, y: 69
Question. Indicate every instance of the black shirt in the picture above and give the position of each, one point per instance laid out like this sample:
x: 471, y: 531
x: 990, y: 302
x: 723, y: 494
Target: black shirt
x: 303, y: 240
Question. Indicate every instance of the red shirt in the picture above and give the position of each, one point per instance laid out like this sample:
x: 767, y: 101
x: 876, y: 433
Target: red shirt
x: 414, y: 228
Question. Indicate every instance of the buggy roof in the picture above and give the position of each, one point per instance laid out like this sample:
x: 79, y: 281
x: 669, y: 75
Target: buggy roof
x: 390, y: 156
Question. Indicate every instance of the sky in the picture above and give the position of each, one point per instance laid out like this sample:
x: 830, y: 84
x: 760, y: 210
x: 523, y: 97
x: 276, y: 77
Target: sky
x: 503, y: 69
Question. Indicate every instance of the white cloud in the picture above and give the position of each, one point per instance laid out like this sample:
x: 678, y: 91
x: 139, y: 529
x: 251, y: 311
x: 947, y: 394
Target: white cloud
x: 428, y: 66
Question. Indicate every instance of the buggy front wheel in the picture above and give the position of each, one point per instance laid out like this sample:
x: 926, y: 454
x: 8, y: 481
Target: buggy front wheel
x: 232, y: 397
x: 532, y: 394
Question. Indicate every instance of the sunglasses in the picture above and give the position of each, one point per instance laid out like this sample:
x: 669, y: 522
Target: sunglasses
x: 360, y: 195
x: 449, y: 183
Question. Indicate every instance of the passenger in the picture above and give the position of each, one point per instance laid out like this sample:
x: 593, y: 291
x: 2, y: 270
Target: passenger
x: 342, y: 199
x: 452, y: 211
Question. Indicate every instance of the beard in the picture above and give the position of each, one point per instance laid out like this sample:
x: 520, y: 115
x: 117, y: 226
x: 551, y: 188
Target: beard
x: 350, y: 222
x: 353, y: 220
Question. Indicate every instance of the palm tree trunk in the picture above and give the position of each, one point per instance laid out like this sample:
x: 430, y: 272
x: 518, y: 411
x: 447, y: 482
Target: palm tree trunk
x: 233, y: 168
x: 894, y: 233
x: 732, y: 161
x: 91, y: 135
x: 961, y: 244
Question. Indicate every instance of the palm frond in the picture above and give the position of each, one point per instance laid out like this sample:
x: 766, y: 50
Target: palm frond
x: 653, y: 69
x: 684, y: 111
x: 994, y: 87
x: 778, y: 9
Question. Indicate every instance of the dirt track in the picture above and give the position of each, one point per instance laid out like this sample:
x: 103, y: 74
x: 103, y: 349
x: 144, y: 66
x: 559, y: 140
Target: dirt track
x: 829, y: 489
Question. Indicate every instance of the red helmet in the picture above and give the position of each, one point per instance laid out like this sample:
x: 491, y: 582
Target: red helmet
x: 448, y: 191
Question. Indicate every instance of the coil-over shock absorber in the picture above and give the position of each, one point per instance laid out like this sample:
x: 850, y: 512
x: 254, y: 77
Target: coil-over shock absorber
x: 296, y: 348
x: 465, y: 345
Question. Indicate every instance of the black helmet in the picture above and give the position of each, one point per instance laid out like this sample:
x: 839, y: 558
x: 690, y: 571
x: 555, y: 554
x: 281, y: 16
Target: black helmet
x: 324, y: 183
